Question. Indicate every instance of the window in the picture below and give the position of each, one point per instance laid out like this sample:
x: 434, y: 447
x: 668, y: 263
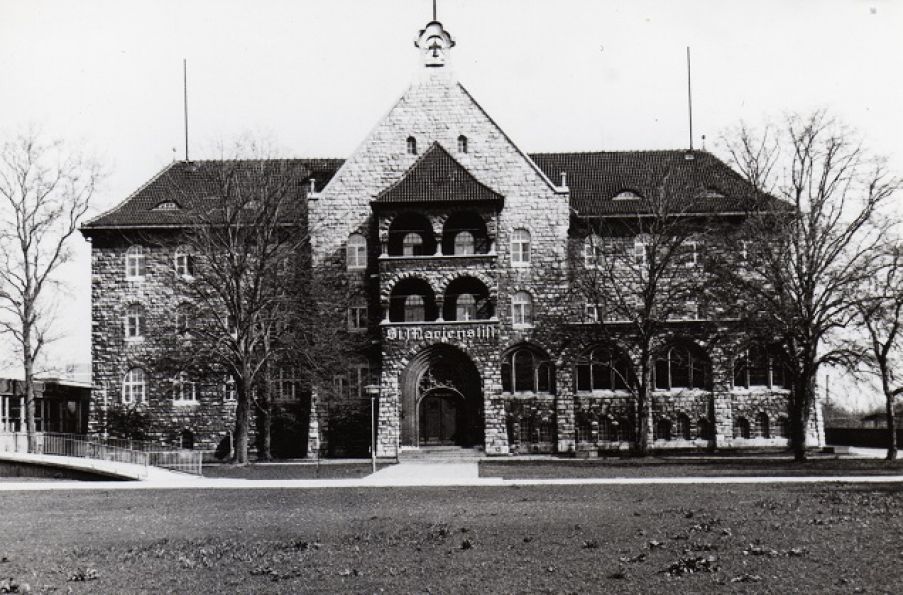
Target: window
x: 134, y: 322
x: 521, y: 309
x: 412, y: 245
x: 412, y: 145
x: 359, y: 376
x: 687, y: 253
x: 466, y: 307
x: 592, y: 251
x: 642, y: 252
x: 662, y: 429
x: 340, y: 385
x: 414, y: 309
x: 356, y: 257
x: 764, y: 426
x: 357, y: 317
x: 184, y: 263
x: 167, y: 205
x: 183, y: 318
x: 606, y: 430
x: 627, y: 195
x: 183, y: 389
x: 464, y: 243
x: 133, y: 387
x: 757, y: 366
x: 135, y: 266
x: 462, y: 144
x: 603, y: 369
x: 526, y: 370
x: 520, y: 247
x: 681, y: 366
x: 229, y: 389
x: 287, y: 384
x: 590, y: 313
x: 704, y: 429
x: 682, y: 427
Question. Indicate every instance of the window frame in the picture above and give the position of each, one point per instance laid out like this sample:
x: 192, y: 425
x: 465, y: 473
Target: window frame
x: 539, y: 363
x: 358, y: 317
x: 462, y: 144
x: 521, y: 309
x: 593, y: 252
x: 471, y: 246
x: 521, y: 240
x: 356, y: 252
x: 135, y: 263
x: 135, y: 322
x: 183, y: 263
x: 129, y: 395
x: 179, y: 384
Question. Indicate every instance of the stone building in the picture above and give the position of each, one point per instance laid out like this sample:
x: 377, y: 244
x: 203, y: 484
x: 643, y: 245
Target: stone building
x: 460, y: 254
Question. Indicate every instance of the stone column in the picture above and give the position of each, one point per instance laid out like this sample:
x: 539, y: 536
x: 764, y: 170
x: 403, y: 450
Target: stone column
x: 388, y: 428
x: 722, y: 414
x: 565, y: 412
x: 316, y: 428
x: 496, y: 434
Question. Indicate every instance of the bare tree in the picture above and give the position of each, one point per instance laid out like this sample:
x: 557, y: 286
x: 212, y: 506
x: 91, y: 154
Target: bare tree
x: 255, y: 305
x: 640, y: 275
x: 806, y: 258
x: 45, y: 192
x: 879, y: 304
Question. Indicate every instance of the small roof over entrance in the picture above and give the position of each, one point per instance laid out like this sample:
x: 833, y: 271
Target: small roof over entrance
x: 436, y: 177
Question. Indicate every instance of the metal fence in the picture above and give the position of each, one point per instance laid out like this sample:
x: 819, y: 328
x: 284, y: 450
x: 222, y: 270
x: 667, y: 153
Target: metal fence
x: 119, y: 450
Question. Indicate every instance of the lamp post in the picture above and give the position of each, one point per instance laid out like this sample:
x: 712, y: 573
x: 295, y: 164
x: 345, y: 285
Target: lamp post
x: 373, y: 391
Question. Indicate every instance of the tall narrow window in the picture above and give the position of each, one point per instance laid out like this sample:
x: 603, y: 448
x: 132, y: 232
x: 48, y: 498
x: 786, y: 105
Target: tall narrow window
x: 229, y: 389
x: 520, y: 247
x: 592, y: 251
x: 641, y: 251
x: 412, y: 145
x: 464, y: 243
x: 135, y: 267
x: 462, y: 144
x: 133, y: 387
x: 412, y: 245
x: 527, y: 370
x: 414, y: 309
x: 356, y: 257
x: 134, y: 322
x: 357, y: 317
x: 183, y: 262
x: 466, y: 307
x: 183, y: 318
x: 521, y: 309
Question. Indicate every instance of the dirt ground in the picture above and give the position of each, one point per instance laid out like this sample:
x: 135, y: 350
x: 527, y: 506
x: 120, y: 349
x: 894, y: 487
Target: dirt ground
x: 628, y: 539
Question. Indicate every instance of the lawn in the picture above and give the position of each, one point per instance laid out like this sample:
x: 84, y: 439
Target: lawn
x: 625, y: 539
x: 311, y: 470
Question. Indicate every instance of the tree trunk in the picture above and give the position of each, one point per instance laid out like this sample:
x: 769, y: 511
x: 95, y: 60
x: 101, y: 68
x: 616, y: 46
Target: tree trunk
x: 802, y: 396
x: 242, y: 411
x: 644, y: 412
x: 28, y: 364
x: 891, y: 430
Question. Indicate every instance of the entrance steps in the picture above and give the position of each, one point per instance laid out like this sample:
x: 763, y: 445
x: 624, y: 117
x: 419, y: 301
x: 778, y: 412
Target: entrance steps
x: 440, y: 454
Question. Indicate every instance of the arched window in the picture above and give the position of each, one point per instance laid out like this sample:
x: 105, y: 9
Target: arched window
x: 521, y: 309
x: 782, y: 428
x: 741, y: 428
x: 183, y: 262
x: 414, y: 309
x: 186, y: 439
x: 592, y: 251
x: 526, y: 370
x: 464, y: 243
x: 466, y: 307
x: 412, y: 145
x: 412, y: 245
x: 682, y: 429
x: 703, y: 428
x: 663, y: 429
x: 583, y: 429
x: 183, y: 389
x: 356, y: 257
x: 135, y: 266
x: 607, y: 432
x: 764, y: 425
x: 134, y: 322
x: 520, y: 247
x: 681, y: 366
x: 603, y: 369
x: 462, y: 144
x: 134, y: 390
x: 626, y: 429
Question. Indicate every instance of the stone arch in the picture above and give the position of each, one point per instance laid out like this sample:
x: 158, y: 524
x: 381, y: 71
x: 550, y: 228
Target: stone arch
x: 468, y: 285
x: 445, y: 280
x: 389, y: 287
x: 411, y: 222
x: 404, y: 291
x: 465, y: 221
x: 441, y: 369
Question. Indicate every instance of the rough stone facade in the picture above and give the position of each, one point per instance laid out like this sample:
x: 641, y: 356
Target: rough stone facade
x: 435, y: 378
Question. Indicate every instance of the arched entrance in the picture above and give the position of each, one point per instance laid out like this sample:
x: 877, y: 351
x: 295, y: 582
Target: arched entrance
x: 442, y: 399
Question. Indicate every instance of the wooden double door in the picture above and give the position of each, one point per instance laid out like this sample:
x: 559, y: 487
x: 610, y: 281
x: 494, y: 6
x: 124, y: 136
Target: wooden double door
x: 442, y: 419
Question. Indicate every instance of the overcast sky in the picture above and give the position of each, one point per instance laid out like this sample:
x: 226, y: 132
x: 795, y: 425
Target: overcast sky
x: 314, y: 77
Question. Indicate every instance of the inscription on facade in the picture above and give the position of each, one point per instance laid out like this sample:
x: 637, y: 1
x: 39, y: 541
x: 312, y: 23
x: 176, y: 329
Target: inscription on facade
x: 416, y: 333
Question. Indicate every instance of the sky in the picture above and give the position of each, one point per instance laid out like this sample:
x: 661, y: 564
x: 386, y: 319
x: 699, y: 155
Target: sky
x: 314, y: 77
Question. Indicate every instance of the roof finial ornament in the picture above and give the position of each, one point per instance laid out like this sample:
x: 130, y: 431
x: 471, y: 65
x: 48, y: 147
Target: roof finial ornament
x: 434, y: 42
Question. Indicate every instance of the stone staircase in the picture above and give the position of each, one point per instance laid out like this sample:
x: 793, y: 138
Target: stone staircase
x: 441, y: 454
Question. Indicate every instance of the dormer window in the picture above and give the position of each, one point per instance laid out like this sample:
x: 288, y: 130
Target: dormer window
x: 412, y: 145
x: 627, y: 195
x: 462, y: 144
x: 167, y: 205
x: 711, y: 193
